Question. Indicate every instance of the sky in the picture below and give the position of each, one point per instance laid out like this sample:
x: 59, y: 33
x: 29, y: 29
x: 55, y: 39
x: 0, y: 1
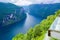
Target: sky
x: 28, y: 2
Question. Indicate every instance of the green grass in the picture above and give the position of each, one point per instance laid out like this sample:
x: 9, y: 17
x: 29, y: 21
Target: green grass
x: 53, y: 38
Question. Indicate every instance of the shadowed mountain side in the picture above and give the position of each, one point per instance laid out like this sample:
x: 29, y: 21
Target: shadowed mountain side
x: 43, y: 10
x: 10, y: 13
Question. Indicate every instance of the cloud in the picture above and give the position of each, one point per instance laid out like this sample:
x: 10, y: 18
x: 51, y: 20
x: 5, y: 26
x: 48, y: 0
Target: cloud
x: 45, y: 1
x: 28, y: 2
x: 18, y: 2
x: 23, y: 2
x: 4, y: 0
x: 56, y: 1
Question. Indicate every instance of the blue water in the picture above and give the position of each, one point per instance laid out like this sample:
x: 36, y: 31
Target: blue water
x: 6, y: 33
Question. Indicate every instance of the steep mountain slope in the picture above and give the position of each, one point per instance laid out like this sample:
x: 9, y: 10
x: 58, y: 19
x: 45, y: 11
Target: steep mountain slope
x: 10, y: 13
x: 43, y: 10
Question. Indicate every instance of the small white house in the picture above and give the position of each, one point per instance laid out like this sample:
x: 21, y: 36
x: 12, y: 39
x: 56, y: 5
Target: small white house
x: 54, y: 30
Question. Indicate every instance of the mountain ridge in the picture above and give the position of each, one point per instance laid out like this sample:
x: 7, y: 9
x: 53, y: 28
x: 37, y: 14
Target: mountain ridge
x: 43, y: 10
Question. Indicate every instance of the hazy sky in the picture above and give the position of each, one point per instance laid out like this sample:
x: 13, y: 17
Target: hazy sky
x: 27, y: 2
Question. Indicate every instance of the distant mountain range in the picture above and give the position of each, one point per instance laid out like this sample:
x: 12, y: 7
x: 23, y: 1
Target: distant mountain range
x: 43, y: 10
x: 10, y: 13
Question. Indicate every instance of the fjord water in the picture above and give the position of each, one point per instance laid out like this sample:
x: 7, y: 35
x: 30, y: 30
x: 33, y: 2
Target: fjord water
x: 6, y: 33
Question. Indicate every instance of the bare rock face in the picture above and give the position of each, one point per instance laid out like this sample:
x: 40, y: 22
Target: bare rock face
x: 10, y: 13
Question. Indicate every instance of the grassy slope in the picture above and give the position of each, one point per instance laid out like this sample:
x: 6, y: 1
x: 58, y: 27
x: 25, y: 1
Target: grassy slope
x: 53, y: 38
x: 38, y: 32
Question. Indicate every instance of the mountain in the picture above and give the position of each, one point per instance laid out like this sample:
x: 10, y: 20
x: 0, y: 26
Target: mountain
x: 26, y: 8
x: 43, y: 10
x: 10, y: 13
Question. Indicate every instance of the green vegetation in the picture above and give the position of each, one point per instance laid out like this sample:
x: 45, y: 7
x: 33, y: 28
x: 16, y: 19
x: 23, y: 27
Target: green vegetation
x: 10, y: 13
x: 43, y: 9
x: 53, y: 38
x: 38, y: 32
